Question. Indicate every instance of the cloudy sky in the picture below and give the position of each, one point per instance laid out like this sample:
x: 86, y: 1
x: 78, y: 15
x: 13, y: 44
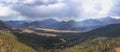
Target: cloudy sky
x: 58, y: 9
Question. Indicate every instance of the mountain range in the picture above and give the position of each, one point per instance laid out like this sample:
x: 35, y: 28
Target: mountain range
x: 102, y: 39
x: 85, y: 25
x: 4, y: 26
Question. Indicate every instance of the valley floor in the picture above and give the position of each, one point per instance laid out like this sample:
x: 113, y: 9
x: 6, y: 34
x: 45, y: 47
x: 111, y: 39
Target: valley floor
x: 104, y: 39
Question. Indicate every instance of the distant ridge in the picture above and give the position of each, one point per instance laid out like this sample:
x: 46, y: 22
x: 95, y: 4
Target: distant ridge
x: 109, y: 30
x: 3, y: 26
x: 85, y: 25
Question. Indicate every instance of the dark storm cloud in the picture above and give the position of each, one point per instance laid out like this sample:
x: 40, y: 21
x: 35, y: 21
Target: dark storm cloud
x: 60, y: 9
x: 55, y: 10
x: 30, y: 2
x: 37, y: 9
x: 42, y: 2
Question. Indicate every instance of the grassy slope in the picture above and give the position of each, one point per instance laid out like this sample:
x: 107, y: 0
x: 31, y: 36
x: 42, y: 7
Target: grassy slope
x: 9, y: 43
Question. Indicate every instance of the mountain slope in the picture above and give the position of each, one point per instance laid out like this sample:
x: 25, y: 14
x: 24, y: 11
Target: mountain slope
x: 110, y: 30
x: 104, y: 39
x: 9, y: 43
x: 16, y: 24
x: 3, y: 25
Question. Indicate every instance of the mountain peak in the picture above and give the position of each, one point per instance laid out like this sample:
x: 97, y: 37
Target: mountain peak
x: 71, y: 21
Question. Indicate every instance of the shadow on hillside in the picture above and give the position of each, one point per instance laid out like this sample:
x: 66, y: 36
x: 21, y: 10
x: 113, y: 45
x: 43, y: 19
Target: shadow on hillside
x: 37, y: 41
x: 71, y: 39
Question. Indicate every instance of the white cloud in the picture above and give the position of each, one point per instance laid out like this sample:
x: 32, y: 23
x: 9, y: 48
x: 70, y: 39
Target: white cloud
x: 6, y: 11
x: 28, y: 1
x: 117, y: 17
x: 62, y: 9
x: 94, y: 8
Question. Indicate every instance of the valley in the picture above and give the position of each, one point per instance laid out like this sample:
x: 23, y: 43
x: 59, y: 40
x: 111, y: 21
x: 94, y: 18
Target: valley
x: 59, y: 25
x: 102, y: 39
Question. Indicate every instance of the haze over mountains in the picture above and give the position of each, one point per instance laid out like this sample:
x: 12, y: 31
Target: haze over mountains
x: 3, y: 25
x: 85, y: 25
